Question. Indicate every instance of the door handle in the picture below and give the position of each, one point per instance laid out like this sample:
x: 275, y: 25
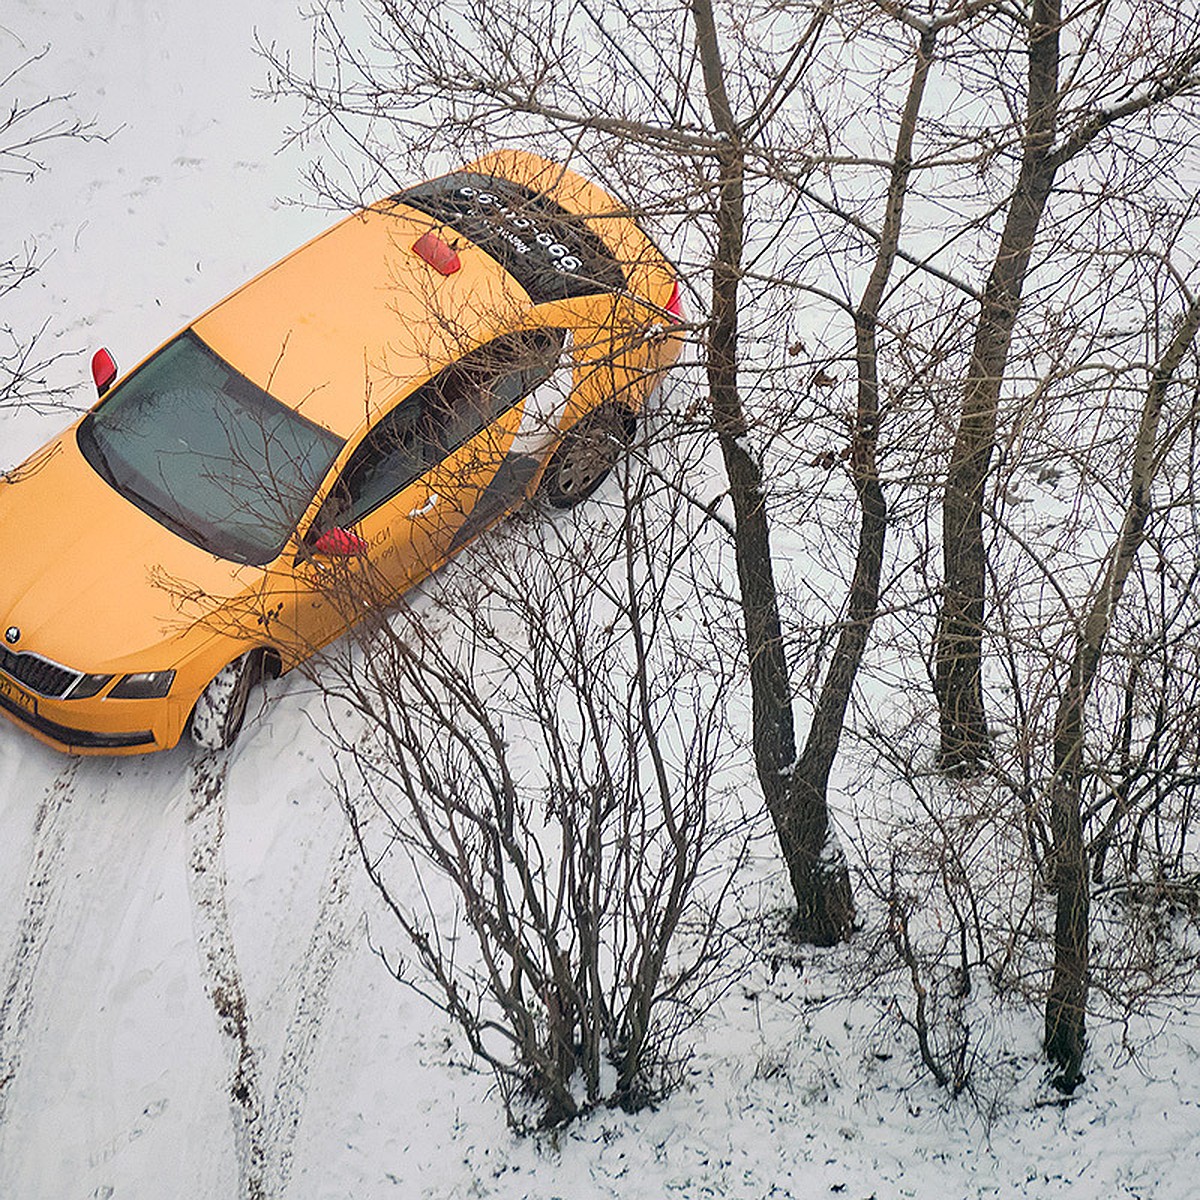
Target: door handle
x: 425, y: 509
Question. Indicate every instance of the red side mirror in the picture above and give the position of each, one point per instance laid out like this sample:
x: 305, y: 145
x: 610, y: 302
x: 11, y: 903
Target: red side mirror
x: 104, y: 370
x: 340, y: 543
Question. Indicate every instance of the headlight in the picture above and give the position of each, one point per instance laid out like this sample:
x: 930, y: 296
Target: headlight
x: 147, y: 685
x: 87, y: 685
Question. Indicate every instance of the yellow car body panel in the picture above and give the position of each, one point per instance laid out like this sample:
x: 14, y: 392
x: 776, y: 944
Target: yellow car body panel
x: 340, y: 331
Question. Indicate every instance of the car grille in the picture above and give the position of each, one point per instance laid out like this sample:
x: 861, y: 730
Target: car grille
x: 36, y: 673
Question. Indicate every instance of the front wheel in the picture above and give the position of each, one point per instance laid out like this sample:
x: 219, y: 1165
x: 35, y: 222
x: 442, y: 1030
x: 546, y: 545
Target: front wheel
x: 587, y: 453
x: 221, y: 710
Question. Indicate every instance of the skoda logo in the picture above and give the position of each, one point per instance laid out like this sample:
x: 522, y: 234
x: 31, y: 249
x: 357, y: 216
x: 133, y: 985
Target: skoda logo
x: 12, y: 635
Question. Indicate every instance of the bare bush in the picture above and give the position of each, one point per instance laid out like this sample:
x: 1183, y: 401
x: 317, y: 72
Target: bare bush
x: 532, y: 798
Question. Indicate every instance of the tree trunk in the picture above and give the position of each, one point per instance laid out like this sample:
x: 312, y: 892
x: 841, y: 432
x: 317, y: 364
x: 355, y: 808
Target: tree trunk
x: 958, y: 673
x: 825, y: 922
x: 797, y: 805
x: 1066, y: 1005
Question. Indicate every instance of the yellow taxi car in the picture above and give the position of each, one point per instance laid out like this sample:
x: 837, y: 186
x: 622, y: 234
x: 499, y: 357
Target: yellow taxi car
x: 369, y: 404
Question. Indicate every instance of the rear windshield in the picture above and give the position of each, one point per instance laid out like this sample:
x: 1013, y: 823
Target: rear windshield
x: 207, y: 453
x: 550, y: 252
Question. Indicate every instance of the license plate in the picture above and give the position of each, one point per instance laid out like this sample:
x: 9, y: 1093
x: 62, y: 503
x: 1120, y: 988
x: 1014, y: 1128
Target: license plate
x: 18, y: 695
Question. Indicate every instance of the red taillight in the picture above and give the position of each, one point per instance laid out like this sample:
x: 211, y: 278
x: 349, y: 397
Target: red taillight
x: 675, y: 304
x: 439, y: 254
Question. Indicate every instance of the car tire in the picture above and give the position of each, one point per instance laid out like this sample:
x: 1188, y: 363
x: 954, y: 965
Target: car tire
x: 220, y: 711
x: 586, y: 454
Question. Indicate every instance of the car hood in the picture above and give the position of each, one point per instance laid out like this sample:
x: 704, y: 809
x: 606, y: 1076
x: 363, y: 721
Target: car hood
x: 93, y: 582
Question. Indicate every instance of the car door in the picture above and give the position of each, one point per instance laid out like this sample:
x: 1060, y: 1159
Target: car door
x: 529, y: 394
x: 409, y: 491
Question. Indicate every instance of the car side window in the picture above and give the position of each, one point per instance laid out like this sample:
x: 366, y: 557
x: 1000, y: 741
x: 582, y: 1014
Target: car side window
x: 534, y: 358
x: 479, y: 388
x: 389, y: 458
x: 437, y: 419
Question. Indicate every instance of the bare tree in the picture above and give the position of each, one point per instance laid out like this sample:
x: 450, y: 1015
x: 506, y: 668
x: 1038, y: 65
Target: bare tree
x: 633, y: 121
x: 794, y: 789
x: 1070, y: 102
x: 1066, y: 1006
x: 1062, y: 373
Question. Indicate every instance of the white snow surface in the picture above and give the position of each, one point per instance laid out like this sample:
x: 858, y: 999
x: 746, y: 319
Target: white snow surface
x: 180, y: 927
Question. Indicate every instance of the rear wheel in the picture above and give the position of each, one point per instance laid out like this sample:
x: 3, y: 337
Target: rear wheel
x: 220, y: 712
x: 587, y: 453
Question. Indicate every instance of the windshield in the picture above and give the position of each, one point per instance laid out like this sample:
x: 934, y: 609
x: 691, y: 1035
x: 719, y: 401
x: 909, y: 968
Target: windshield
x: 207, y: 453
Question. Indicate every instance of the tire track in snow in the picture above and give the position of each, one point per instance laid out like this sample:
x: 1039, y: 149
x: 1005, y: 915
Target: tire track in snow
x: 219, y: 967
x: 328, y: 944
x: 42, y: 890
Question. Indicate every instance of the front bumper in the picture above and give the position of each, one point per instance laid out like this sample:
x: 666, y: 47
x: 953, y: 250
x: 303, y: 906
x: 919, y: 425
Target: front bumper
x: 91, y: 726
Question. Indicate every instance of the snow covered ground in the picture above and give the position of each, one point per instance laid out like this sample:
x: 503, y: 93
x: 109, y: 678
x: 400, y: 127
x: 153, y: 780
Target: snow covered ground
x: 188, y: 999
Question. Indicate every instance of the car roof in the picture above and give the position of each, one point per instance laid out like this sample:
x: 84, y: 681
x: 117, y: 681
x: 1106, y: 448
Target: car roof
x: 337, y: 328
